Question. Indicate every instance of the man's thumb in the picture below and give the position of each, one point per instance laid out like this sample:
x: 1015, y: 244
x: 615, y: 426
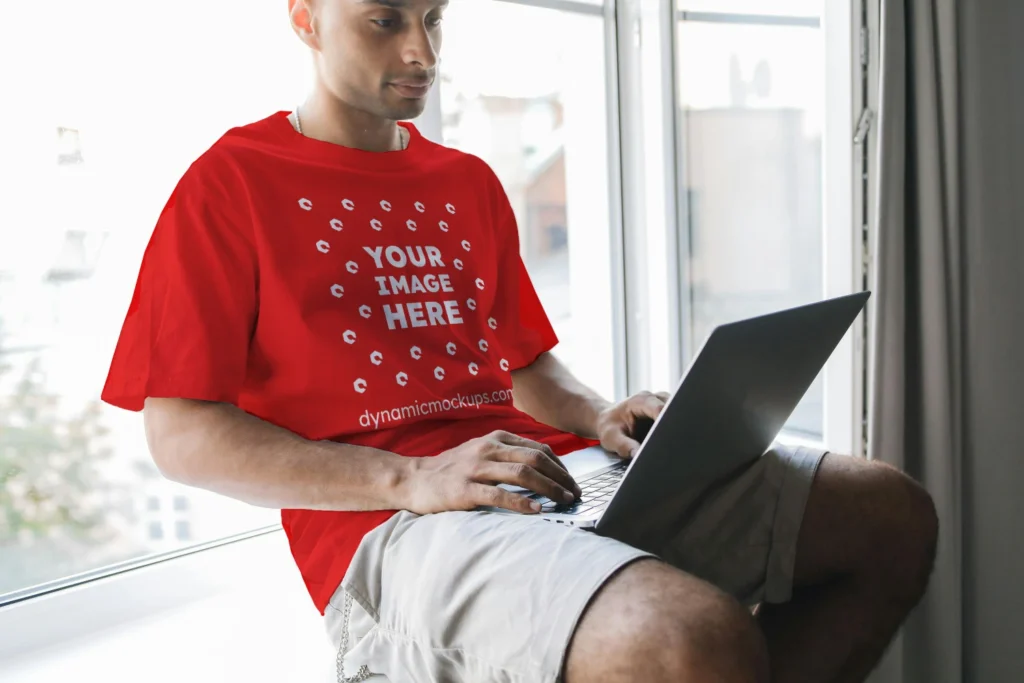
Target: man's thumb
x: 625, y: 446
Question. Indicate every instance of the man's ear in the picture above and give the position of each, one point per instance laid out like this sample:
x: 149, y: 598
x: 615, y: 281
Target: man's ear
x: 300, y: 14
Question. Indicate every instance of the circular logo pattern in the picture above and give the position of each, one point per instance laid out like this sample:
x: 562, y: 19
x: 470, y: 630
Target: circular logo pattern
x: 305, y: 205
x: 376, y: 225
x: 402, y: 379
x: 386, y: 205
x: 365, y: 311
x: 439, y: 372
x: 323, y: 246
x: 348, y: 204
x: 420, y: 207
x: 352, y: 267
x: 457, y: 263
x: 471, y: 304
x: 338, y: 291
x: 503, y: 365
x: 360, y: 386
x: 473, y: 368
x: 479, y: 284
x: 349, y: 336
x: 451, y: 348
x: 376, y: 358
x: 443, y: 226
x: 416, y: 352
x: 465, y: 245
x: 337, y: 225
x: 451, y: 209
x: 411, y: 224
x: 492, y: 323
x: 483, y: 345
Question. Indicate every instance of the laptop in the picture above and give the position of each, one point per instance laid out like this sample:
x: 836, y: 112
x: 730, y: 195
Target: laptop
x: 726, y: 412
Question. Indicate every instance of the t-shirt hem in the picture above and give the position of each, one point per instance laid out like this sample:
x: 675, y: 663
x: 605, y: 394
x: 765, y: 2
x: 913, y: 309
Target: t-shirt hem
x: 136, y: 402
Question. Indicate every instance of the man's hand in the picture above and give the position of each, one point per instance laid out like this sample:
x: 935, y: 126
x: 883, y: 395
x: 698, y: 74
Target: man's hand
x: 617, y: 424
x: 465, y: 477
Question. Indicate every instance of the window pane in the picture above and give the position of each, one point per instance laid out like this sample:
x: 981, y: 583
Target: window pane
x: 791, y: 8
x: 751, y: 111
x: 108, y: 122
x: 538, y: 117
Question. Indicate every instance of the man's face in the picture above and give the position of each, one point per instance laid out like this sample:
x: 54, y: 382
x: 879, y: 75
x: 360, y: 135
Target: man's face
x: 379, y: 56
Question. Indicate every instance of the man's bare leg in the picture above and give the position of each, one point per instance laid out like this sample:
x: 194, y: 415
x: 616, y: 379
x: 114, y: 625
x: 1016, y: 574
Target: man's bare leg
x: 656, y: 624
x: 864, y: 556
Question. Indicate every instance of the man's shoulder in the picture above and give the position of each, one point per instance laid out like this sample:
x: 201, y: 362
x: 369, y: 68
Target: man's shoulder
x: 221, y: 166
x: 457, y: 160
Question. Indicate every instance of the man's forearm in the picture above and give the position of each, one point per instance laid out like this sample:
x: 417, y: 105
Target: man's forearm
x: 223, y: 449
x: 549, y: 393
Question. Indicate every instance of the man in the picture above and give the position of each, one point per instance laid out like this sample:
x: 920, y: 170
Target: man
x: 332, y: 318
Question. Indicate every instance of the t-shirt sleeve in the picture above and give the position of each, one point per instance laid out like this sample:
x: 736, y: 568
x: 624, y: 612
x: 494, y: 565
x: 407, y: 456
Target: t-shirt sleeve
x: 524, y: 329
x: 189, y: 325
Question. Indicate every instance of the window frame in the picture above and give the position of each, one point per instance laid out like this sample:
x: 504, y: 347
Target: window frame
x: 843, y: 199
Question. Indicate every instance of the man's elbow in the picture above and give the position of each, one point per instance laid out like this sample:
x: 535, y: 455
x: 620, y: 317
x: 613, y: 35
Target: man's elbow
x: 169, y: 423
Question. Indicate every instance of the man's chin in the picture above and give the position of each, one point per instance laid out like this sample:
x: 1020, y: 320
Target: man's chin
x: 402, y: 108
x: 407, y: 110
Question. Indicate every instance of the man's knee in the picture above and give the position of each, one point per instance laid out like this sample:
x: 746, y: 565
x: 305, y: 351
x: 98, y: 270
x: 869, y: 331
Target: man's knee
x: 654, y: 623
x: 915, y: 532
x: 898, y: 530
x: 871, y: 520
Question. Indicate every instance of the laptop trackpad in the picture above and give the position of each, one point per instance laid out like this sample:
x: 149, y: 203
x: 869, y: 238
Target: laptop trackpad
x: 580, y: 463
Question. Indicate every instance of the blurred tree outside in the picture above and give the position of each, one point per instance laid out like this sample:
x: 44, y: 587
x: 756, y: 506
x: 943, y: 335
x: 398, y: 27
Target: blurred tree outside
x: 60, y: 512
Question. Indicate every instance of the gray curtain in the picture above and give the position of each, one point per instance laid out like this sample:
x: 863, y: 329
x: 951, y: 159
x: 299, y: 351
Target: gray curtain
x: 948, y: 322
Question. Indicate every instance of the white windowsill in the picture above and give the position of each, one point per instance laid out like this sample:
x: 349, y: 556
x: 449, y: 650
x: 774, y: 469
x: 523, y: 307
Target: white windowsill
x: 229, y: 613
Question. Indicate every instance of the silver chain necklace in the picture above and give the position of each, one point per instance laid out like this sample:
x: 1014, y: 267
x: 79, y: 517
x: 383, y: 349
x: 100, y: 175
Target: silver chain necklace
x: 403, y: 134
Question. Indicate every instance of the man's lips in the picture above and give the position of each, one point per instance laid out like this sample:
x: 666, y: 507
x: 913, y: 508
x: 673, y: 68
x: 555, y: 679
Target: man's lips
x: 412, y: 89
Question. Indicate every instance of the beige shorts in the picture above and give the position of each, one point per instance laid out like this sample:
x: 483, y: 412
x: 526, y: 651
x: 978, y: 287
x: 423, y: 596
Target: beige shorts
x: 477, y: 596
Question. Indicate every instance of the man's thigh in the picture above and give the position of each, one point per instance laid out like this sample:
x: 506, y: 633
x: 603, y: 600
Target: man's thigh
x: 741, y: 534
x: 468, y: 596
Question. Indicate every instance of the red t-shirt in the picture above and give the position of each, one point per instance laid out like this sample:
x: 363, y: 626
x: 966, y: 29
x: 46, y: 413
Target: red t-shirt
x: 369, y: 298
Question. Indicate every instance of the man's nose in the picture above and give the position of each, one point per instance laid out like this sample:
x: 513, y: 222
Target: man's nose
x: 419, y: 48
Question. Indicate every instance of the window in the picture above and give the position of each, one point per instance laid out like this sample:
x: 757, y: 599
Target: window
x: 537, y: 114
x: 114, y: 120
x: 752, y: 113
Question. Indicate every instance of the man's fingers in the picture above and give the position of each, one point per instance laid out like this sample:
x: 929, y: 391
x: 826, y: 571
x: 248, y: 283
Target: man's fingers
x: 543, y: 464
x: 523, y: 475
x: 516, y: 440
x: 624, y: 446
x: 652, y: 405
x: 522, y: 442
x: 482, y: 494
x: 664, y: 396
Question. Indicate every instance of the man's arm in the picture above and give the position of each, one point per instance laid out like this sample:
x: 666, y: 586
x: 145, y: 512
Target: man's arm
x: 546, y: 391
x: 549, y: 393
x: 221, y: 448
x: 218, y: 447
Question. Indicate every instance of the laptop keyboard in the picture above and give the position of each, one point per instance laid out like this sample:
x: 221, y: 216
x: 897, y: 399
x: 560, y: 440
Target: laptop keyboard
x: 597, y: 491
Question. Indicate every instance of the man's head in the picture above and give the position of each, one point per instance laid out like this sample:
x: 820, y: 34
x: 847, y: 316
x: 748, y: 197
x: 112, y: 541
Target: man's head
x: 377, y: 56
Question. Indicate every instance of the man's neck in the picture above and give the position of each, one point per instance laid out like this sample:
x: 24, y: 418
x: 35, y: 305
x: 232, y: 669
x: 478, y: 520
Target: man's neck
x: 330, y: 120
